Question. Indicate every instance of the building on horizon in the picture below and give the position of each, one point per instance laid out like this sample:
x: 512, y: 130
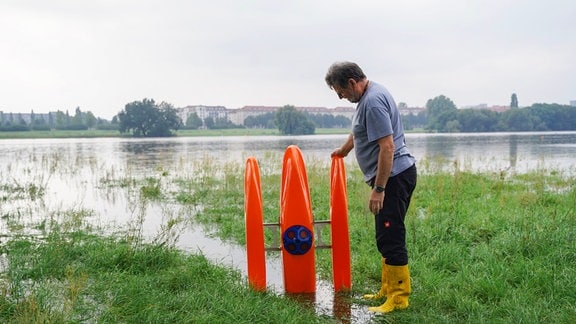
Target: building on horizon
x: 216, y: 112
x: 239, y: 115
x: 26, y: 118
x: 486, y: 107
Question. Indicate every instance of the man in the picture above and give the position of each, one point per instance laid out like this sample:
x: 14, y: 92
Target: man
x: 378, y: 139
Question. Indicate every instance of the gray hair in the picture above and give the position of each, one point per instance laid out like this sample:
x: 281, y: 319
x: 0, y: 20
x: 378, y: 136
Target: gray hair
x: 340, y: 72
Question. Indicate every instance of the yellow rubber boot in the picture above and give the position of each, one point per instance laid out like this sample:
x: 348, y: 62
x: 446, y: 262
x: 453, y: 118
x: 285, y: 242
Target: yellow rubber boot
x: 384, y: 289
x: 398, y: 289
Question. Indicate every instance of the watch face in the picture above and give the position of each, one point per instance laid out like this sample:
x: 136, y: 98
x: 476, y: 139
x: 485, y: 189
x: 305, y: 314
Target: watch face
x: 379, y: 189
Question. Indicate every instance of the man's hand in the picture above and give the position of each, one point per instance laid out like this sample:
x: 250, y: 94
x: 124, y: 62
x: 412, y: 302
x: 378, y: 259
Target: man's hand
x: 343, y: 150
x: 339, y: 152
x: 376, y: 201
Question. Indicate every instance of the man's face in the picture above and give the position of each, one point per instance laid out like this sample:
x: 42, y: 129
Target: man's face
x: 350, y: 92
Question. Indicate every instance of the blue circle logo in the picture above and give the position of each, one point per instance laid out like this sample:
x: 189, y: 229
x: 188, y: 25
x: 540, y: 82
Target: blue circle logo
x: 297, y: 240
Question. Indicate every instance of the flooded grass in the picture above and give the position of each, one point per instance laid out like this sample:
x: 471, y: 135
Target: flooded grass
x: 77, y: 276
x: 485, y: 246
x: 61, y: 268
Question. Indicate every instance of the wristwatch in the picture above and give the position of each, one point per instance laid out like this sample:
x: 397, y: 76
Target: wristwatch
x: 379, y: 189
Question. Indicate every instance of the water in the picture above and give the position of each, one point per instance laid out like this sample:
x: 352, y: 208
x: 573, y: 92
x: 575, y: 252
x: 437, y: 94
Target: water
x: 85, y: 174
x: 500, y: 151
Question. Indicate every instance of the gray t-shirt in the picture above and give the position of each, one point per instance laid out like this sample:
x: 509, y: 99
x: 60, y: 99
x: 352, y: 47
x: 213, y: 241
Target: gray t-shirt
x: 377, y: 116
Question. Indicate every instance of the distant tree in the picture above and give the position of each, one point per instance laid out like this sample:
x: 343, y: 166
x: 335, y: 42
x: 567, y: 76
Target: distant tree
x: 51, y: 120
x: 209, y: 122
x: 224, y: 123
x: 514, y: 101
x: 193, y: 121
x: 452, y: 126
x: 104, y: 124
x: 61, y: 121
x: 17, y: 124
x: 38, y: 123
x: 440, y: 111
x: 77, y: 122
x: 517, y: 120
x: 554, y: 117
x: 473, y: 120
x: 342, y: 121
x: 169, y: 118
x: 411, y: 121
x: 77, y: 119
x: 293, y: 122
x: 20, y: 120
x: 90, y: 120
x: 260, y: 121
x: 146, y: 118
x: 329, y: 120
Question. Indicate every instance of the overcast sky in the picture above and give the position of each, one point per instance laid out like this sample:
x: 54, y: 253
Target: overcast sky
x: 102, y: 54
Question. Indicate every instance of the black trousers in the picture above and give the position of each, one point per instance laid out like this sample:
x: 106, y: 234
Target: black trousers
x: 390, y: 228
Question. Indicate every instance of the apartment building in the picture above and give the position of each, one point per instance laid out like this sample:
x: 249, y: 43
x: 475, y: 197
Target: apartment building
x: 239, y: 115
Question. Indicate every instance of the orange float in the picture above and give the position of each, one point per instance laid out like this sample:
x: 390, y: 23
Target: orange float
x: 339, y: 233
x: 254, y: 226
x: 296, y: 225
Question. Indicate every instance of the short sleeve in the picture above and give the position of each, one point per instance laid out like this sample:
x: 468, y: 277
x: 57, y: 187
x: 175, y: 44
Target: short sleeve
x: 378, y: 122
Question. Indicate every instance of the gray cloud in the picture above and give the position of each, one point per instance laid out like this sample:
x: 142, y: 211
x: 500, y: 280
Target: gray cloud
x: 100, y: 55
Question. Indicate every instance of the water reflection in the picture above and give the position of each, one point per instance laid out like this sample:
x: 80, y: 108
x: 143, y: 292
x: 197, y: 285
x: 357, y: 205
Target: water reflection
x: 521, y: 152
x: 339, y: 306
x: 324, y: 301
x: 513, y: 150
x: 440, y: 146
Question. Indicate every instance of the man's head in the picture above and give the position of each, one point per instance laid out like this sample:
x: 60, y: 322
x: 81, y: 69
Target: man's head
x: 347, y: 79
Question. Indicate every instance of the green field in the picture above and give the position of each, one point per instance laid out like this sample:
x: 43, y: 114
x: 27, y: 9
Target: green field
x: 484, y: 248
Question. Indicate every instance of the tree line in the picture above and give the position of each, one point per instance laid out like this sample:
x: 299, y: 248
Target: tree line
x: 268, y: 120
x: 58, y: 120
x: 146, y: 118
x: 443, y: 116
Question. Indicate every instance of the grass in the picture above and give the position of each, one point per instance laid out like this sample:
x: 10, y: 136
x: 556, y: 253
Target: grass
x: 484, y: 248
x: 77, y: 276
x: 487, y: 249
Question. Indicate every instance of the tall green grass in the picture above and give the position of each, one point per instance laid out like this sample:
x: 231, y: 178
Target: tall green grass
x: 58, y: 267
x: 75, y: 276
x: 484, y: 247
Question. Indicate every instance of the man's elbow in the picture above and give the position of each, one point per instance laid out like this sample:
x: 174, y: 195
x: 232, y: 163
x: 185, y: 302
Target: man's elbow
x: 388, y: 147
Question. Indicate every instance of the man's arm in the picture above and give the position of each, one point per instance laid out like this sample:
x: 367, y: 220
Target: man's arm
x: 385, y: 160
x: 345, y: 148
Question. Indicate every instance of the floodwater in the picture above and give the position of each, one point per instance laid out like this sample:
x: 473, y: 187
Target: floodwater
x: 87, y: 174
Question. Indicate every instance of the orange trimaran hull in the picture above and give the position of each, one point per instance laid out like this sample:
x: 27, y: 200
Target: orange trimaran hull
x: 254, y: 226
x: 339, y: 227
x: 296, y: 225
x: 296, y: 209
